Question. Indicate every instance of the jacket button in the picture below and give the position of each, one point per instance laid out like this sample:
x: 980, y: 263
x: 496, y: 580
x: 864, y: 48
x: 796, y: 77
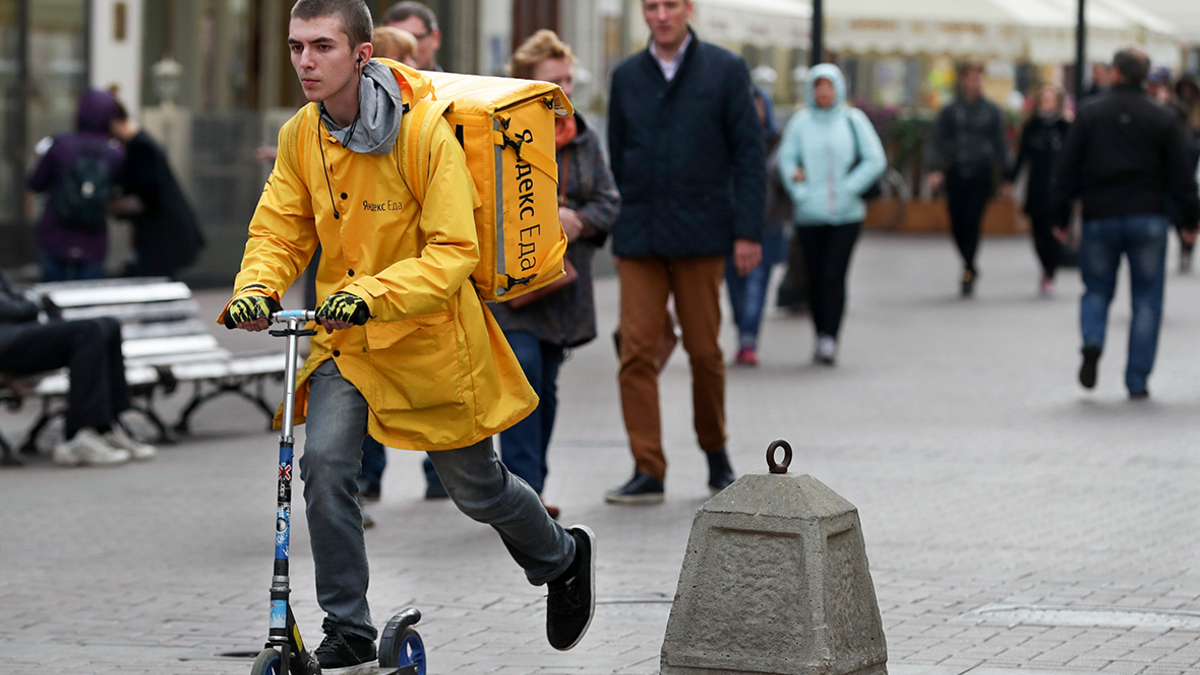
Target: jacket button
x: 344, y: 195
x: 350, y: 272
x: 336, y: 353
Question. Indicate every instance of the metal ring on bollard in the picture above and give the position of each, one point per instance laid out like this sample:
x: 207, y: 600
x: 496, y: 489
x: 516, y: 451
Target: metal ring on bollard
x: 787, y: 456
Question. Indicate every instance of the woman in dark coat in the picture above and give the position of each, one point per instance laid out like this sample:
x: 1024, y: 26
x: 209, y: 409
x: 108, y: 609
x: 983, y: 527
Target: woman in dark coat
x: 1042, y: 142
x: 166, y: 234
x: 540, y: 332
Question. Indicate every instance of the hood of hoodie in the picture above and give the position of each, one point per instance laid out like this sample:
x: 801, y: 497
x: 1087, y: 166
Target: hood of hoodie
x: 825, y: 71
x: 380, y: 106
x: 96, y: 111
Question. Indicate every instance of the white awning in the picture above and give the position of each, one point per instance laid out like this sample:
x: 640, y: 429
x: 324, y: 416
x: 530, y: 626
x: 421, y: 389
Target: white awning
x: 1042, y: 31
x: 756, y: 22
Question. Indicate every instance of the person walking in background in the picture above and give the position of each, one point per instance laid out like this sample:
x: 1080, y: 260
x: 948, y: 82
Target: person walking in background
x: 748, y: 293
x: 967, y: 155
x: 541, y: 329
x: 1042, y: 141
x: 1186, y: 104
x: 1124, y: 158
x: 395, y: 44
x: 420, y: 21
x: 77, y: 171
x: 687, y: 154
x: 830, y: 155
x: 399, y: 46
x: 166, y: 232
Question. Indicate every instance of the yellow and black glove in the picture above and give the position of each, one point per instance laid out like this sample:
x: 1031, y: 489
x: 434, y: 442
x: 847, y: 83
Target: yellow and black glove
x: 250, y: 308
x: 345, y: 307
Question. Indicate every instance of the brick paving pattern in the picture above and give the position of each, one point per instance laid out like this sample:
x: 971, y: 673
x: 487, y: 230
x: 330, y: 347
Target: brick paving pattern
x: 983, y: 474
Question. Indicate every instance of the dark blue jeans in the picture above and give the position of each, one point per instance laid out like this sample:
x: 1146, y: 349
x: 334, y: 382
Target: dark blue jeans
x: 748, y: 294
x: 374, y: 461
x: 523, y: 446
x: 1143, y: 241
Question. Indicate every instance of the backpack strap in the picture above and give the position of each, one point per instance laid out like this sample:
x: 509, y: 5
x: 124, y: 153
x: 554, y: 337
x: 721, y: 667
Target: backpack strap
x: 416, y: 133
x: 526, y: 152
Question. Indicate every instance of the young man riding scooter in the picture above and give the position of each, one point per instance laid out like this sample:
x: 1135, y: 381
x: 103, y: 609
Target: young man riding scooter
x: 409, y: 354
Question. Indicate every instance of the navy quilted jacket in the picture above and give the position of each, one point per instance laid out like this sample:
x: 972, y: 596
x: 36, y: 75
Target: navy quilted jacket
x: 687, y: 155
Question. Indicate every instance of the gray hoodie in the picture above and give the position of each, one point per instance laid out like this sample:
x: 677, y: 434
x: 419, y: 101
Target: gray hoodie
x: 375, y: 129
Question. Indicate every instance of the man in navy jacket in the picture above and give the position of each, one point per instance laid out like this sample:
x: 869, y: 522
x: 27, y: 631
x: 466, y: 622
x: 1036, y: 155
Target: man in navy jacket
x: 688, y: 159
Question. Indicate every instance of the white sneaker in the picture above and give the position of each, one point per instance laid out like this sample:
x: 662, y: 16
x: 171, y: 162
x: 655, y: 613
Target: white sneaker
x: 826, y: 350
x: 120, y: 440
x: 87, y: 448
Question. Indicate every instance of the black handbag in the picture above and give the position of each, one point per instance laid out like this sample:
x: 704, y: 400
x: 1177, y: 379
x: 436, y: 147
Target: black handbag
x: 875, y: 190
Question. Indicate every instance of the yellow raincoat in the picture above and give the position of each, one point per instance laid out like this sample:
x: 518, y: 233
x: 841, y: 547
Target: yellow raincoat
x: 432, y: 363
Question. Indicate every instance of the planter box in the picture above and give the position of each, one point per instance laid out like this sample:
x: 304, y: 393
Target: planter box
x: 1001, y: 217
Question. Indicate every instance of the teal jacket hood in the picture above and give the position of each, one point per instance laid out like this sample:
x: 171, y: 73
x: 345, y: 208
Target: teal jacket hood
x: 825, y: 71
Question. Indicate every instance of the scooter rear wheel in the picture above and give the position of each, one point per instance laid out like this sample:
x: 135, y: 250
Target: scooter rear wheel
x: 268, y: 662
x: 407, y: 650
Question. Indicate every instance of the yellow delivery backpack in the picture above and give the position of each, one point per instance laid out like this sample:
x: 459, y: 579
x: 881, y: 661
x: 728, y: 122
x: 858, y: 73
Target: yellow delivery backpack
x: 506, y: 127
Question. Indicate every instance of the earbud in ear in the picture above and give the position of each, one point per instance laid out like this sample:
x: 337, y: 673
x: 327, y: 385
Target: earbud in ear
x: 360, y: 58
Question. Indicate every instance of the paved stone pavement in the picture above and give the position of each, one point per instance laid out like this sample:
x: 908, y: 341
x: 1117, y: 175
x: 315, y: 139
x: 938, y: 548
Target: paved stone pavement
x: 994, y: 495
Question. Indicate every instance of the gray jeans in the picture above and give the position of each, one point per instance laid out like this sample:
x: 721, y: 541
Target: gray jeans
x: 478, y: 483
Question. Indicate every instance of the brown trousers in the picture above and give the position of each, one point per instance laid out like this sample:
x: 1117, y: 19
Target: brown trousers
x: 646, y: 284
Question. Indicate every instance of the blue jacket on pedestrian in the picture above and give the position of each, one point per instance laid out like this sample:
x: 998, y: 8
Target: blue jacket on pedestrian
x: 840, y: 152
x: 687, y: 155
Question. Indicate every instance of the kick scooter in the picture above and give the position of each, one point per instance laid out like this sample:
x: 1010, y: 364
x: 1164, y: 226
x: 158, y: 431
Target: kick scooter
x: 401, y: 651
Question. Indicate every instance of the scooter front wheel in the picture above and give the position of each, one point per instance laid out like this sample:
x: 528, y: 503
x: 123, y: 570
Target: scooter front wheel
x: 268, y: 662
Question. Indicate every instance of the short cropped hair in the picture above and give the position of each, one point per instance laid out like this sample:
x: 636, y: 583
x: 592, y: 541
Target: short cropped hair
x: 355, y: 16
x: 402, y: 10
x: 1133, y: 65
x: 541, y: 46
x: 970, y: 66
x: 393, y: 43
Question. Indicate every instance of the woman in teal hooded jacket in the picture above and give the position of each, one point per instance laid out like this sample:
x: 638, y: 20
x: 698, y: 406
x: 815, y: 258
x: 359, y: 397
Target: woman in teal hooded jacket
x: 830, y: 155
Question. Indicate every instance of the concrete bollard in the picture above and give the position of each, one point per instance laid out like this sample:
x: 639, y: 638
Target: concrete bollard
x: 775, y: 580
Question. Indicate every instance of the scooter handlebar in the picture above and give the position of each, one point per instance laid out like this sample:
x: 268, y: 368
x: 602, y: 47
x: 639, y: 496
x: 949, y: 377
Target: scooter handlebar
x: 301, y: 314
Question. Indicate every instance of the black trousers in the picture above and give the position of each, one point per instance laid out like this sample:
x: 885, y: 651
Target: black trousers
x: 827, y: 250
x: 91, y: 351
x: 1049, y: 249
x: 967, y: 196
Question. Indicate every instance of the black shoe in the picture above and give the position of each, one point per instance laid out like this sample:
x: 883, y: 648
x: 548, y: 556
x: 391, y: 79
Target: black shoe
x: 436, y: 492
x: 1142, y: 395
x: 572, y: 597
x: 347, y: 654
x: 371, y: 494
x: 720, y: 473
x: 1087, y: 371
x: 641, y: 489
x: 967, y: 289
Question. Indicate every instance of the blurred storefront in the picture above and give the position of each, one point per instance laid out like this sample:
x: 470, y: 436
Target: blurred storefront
x: 43, y: 67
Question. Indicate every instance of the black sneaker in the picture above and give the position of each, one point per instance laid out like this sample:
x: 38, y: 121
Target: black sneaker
x: 343, y: 653
x: 967, y: 288
x: 641, y: 489
x: 572, y: 597
x: 1087, y: 371
x: 720, y: 473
